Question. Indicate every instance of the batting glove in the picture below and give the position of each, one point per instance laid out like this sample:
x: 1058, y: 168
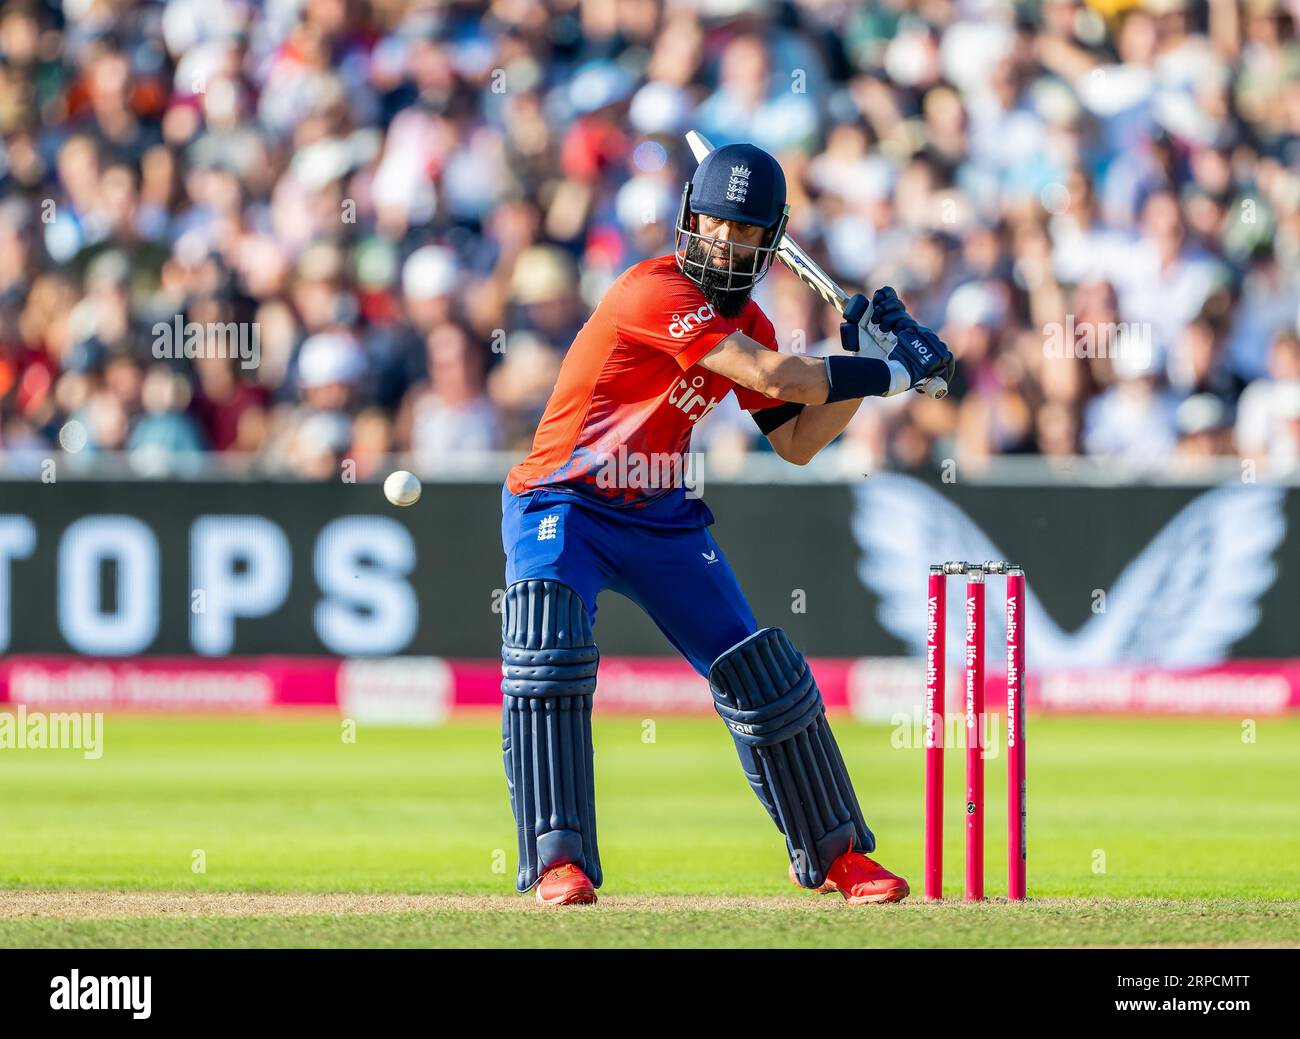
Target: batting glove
x: 922, y: 354
x: 913, y: 351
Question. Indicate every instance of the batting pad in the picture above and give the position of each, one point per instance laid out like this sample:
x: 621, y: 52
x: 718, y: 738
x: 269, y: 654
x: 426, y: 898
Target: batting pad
x: 765, y: 692
x: 548, y: 675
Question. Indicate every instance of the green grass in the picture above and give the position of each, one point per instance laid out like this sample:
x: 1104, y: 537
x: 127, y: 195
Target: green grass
x: 803, y: 923
x: 1179, y: 811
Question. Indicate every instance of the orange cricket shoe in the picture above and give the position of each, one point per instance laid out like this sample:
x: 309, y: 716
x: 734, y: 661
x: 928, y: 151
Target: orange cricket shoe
x: 861, y: 880
x: 825, y: 889
x: 565, y: 885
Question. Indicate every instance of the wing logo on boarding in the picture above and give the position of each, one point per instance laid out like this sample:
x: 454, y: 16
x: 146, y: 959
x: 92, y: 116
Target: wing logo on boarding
x: 1192, y: 592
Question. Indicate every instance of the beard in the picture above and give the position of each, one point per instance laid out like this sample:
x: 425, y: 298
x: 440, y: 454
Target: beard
x: 727, y: 302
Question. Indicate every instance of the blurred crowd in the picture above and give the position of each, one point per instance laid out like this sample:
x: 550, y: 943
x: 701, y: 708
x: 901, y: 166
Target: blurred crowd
x: 411, y: 208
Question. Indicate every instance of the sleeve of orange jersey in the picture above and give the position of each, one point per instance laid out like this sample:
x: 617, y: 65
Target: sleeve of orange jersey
x: 665, y: 311
x: 752, y: 400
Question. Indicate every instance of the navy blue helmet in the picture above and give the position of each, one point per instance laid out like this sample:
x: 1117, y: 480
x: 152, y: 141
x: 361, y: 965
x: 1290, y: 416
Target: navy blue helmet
x: 742, y: 184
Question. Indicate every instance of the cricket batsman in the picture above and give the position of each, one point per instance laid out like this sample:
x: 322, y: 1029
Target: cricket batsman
x: 671, y: 338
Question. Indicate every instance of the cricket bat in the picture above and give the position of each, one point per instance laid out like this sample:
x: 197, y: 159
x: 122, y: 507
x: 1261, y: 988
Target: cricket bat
x: 806, y: 270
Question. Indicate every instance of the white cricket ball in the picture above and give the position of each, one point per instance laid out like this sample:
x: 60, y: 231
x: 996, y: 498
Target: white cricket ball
x: 402, y: 488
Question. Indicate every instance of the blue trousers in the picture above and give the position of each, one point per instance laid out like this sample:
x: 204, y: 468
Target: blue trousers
x: 678, y: 575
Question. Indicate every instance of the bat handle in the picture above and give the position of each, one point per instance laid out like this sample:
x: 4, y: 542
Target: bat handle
x: 936, y: 387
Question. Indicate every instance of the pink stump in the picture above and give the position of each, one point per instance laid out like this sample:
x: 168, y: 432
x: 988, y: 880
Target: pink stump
x: 1016, y: 807
x: 935, y: 646
x: 974, y: 734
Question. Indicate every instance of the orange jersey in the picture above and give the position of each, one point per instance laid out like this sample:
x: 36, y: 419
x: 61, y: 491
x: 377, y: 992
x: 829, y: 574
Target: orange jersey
x: 630, y: 385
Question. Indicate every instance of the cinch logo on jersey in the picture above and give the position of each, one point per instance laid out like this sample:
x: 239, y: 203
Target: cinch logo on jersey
x: 73, y: 992
x: 681, y: 325
x: 685, y: 399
